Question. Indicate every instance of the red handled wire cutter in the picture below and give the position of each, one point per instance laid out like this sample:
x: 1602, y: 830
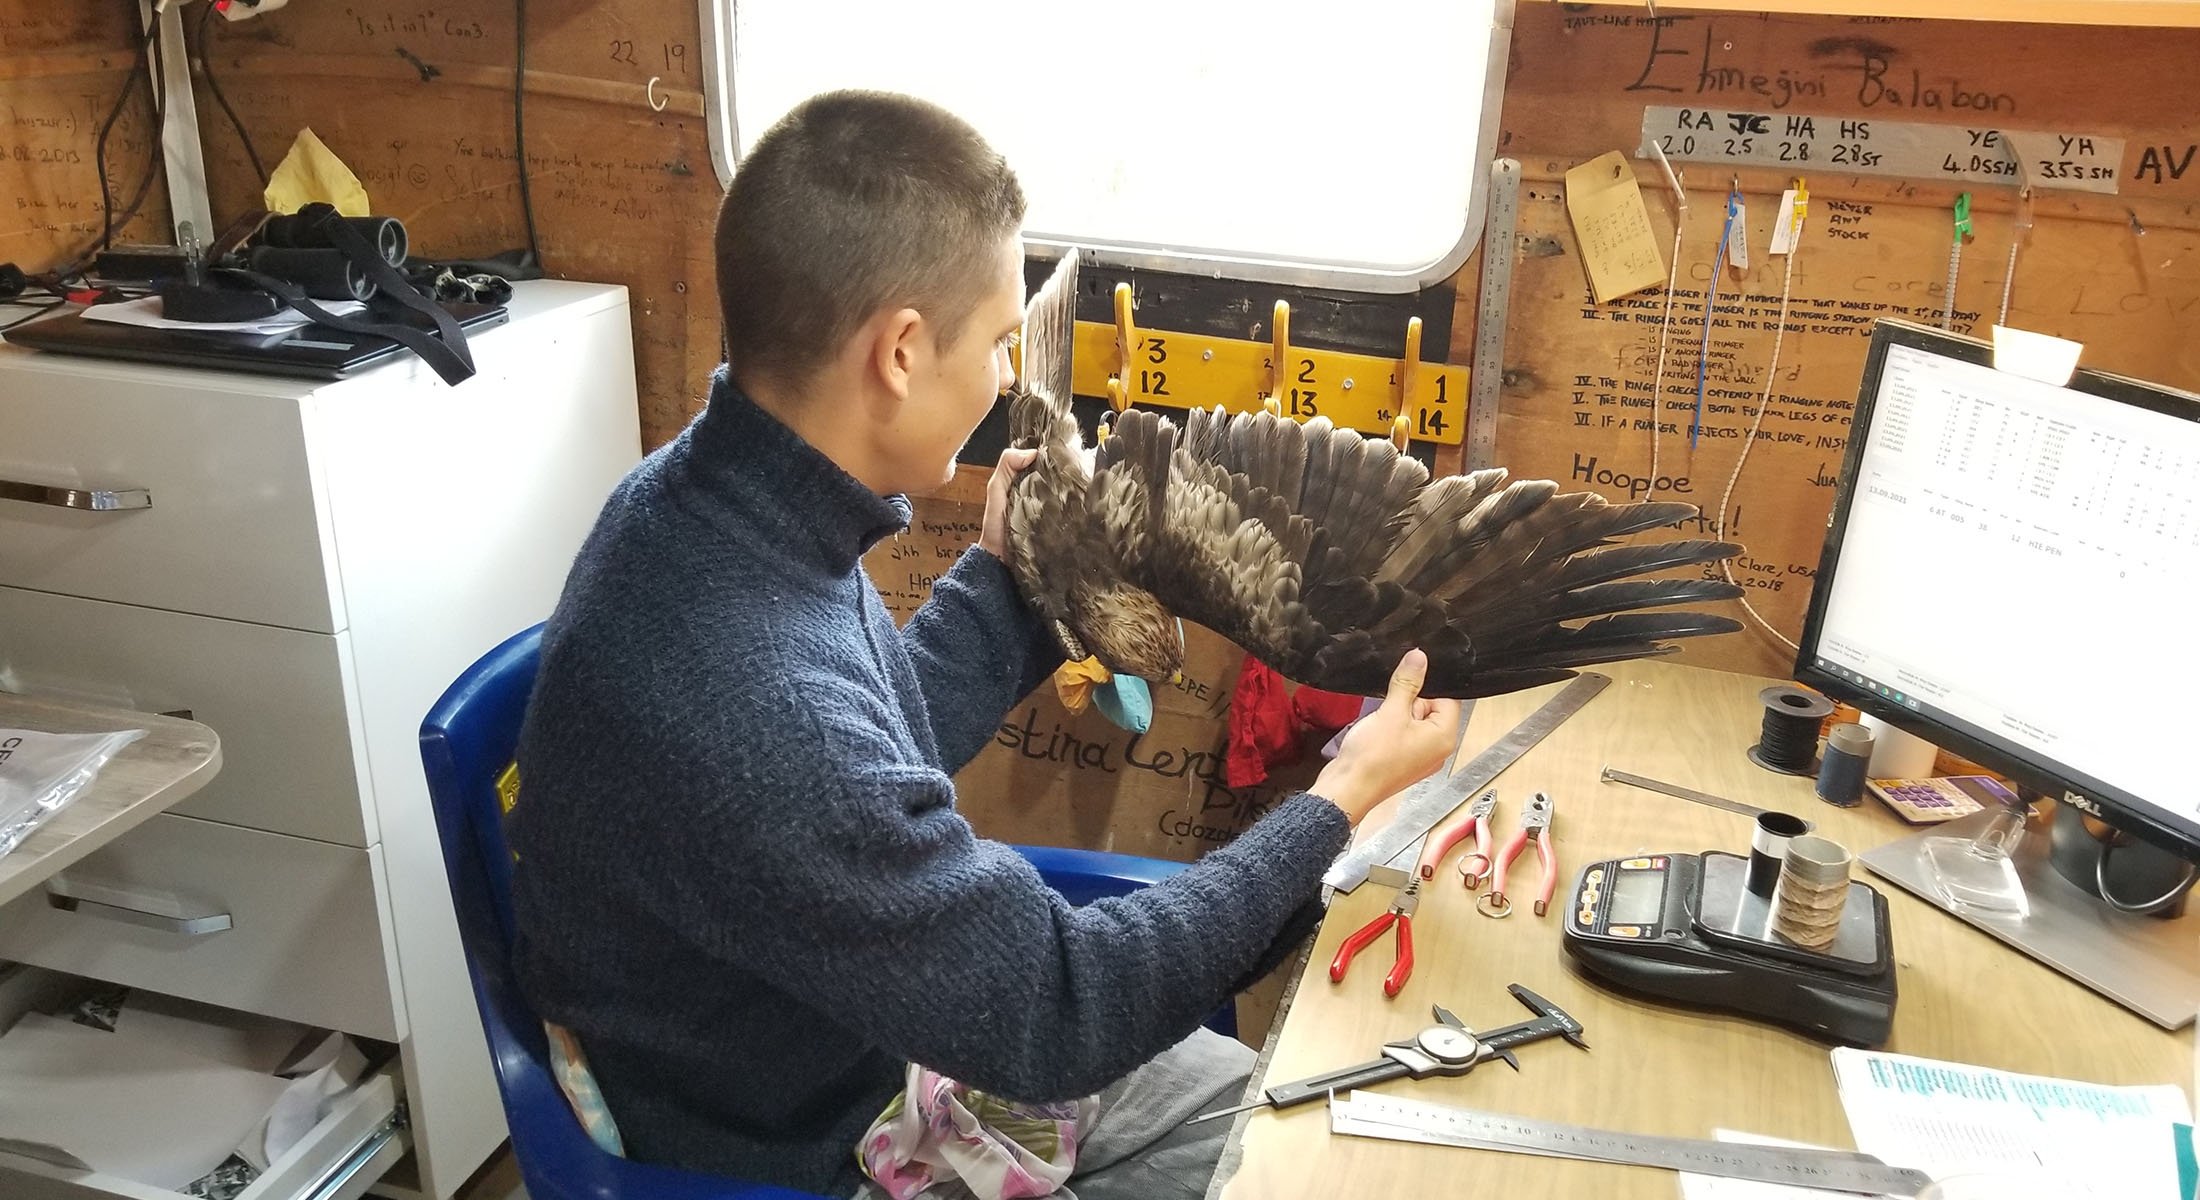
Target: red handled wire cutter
x: 1535, y: 826
x: 1399, y: 914
x: 1475, y: 866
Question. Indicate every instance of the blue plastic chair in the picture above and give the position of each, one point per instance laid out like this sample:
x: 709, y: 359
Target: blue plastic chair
x: 465, y: 744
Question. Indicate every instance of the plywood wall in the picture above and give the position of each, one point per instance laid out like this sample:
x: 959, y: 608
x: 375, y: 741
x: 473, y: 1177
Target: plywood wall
x: 61, y: 68
x: 1581, y: 376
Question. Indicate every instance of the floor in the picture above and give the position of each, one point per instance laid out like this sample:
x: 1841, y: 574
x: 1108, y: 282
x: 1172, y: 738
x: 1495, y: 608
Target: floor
x: 498, y: 1179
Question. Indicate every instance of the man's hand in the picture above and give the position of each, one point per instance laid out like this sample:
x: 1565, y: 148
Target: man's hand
x: 1392, y: 748
x: 993, y: 533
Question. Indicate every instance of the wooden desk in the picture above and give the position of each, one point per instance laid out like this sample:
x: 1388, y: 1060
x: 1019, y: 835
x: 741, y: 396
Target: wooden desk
x: 1651, y: 1069
x: 174, y: 759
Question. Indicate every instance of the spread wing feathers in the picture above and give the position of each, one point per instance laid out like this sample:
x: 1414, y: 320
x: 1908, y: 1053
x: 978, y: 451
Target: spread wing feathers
x: 1131, y: 473
x: 1049, y: 512
x: 1217, y: 549
x: 1048, y: 519
x: 1328, y: 554
x: 1040, y: 410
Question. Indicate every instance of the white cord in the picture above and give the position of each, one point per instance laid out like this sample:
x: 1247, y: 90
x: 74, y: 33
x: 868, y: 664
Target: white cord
x: 1955, y: 262
x: 2016, y: 239
x: 1665, y: 332
x: 1672, y: 278
x: 1749, y: 442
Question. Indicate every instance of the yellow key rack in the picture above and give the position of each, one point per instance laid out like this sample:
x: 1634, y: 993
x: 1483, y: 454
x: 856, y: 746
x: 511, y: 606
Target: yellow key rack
x: 1397, y: 398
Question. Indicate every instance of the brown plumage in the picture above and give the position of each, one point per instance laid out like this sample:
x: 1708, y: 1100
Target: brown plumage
x: 1322, y: 552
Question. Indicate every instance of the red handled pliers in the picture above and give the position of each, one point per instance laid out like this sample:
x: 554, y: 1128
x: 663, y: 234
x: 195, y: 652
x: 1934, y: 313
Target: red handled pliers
x: 1400, y: 914
x: 1535, y: 825
x: 1476, y: 865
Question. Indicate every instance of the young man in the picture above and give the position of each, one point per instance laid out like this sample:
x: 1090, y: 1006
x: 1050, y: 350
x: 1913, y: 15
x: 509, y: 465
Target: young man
x: 742, y: 882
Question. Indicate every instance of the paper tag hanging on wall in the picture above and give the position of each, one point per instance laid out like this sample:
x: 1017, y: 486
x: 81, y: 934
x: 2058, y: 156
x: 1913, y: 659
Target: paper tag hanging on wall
x: 1737, y: 237
x: 1784, y: 224
x: 1612, y: 227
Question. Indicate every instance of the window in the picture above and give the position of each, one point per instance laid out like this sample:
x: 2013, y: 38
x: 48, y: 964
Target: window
x: 1315, y: 142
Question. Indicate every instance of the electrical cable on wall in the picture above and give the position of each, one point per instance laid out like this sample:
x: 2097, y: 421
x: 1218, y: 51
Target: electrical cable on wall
x: 519, y: 126
x: 1749, y: 441
x: 148, y: 49
x: 214, y: 87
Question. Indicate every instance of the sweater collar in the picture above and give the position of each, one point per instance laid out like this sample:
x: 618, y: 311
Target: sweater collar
x: 747, y: 456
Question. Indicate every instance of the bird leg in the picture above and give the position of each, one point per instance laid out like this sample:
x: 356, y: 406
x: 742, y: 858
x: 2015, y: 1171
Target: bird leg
x: 1073, y: 649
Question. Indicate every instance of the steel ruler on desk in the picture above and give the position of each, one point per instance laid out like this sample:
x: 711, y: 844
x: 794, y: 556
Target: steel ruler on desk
x: 1498, y: 249
x: 1430, y: 801
x: 1369, y: 1114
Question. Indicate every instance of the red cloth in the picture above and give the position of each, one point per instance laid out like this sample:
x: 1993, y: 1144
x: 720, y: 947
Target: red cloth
x: 1266, y: 722
x: 1326, y: 711
x: 1263, y: 733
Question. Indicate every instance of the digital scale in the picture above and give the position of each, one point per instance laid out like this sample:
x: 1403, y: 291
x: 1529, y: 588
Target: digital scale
x: 1686, y: 928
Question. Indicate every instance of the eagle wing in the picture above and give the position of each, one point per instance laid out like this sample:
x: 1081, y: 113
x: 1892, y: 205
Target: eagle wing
x: 1328, y: 555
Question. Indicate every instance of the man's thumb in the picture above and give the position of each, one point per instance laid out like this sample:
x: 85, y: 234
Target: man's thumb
x: 1406, y: 681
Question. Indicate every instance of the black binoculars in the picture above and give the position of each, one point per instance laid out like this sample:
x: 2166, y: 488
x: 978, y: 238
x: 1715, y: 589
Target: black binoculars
x: 306, y: 249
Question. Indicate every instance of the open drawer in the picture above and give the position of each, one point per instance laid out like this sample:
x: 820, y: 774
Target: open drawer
x: 338, y: 1160
x: 224, y: 915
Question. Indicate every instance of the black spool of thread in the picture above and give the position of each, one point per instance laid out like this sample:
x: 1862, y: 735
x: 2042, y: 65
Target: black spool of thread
x: 1788, y: 742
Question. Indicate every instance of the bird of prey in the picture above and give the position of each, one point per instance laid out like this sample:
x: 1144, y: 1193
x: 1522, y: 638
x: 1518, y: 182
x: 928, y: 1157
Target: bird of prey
x: 1322, y: 552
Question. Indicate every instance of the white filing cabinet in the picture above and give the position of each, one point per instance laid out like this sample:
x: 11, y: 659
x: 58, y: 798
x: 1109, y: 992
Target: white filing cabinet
x: 318, y: 562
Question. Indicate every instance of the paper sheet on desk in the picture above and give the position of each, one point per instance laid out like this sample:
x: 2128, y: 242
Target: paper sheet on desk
x: 146, y: 312
x: 2096, y: 1142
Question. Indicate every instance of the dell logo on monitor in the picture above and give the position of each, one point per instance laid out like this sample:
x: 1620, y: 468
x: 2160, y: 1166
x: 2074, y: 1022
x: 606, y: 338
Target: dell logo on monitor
x: 2083, y: 804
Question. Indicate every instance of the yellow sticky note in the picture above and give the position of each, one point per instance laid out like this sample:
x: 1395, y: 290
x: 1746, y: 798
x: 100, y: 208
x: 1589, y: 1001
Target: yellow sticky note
x: 1612, y: 227
x: 312, y: 173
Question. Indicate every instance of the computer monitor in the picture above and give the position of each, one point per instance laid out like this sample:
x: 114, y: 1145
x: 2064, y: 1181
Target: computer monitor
x: 2009, y: 572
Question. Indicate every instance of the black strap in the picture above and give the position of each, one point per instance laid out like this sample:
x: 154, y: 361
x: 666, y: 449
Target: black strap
x: 449, y: 356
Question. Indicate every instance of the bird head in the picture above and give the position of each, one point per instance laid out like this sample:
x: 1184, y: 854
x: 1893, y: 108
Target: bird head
x: 1129, y: 631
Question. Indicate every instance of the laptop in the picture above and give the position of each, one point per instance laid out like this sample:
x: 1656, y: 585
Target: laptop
x: 306, y: 351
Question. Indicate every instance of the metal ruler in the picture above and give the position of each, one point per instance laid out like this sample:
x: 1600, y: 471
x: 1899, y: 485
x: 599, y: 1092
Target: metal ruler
x: 1613, y: 775
x: 1436, y: 797
x: 1489, y: 321
x: 1368, y: 1114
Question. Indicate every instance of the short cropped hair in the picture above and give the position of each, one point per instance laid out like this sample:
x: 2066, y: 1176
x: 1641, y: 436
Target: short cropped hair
x: 857, y: 201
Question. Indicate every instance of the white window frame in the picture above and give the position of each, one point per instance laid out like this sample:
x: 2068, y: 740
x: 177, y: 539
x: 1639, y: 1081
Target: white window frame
x: 718, y: 48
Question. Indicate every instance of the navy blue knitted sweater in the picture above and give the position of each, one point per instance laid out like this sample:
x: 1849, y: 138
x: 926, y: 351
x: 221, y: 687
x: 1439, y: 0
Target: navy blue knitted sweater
x: 742, y: 881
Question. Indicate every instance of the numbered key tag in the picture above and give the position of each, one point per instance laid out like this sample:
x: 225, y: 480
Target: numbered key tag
x: 1783, y: 225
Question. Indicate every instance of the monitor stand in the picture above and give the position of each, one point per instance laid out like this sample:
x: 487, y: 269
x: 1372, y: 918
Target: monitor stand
x: 2144, y: 964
